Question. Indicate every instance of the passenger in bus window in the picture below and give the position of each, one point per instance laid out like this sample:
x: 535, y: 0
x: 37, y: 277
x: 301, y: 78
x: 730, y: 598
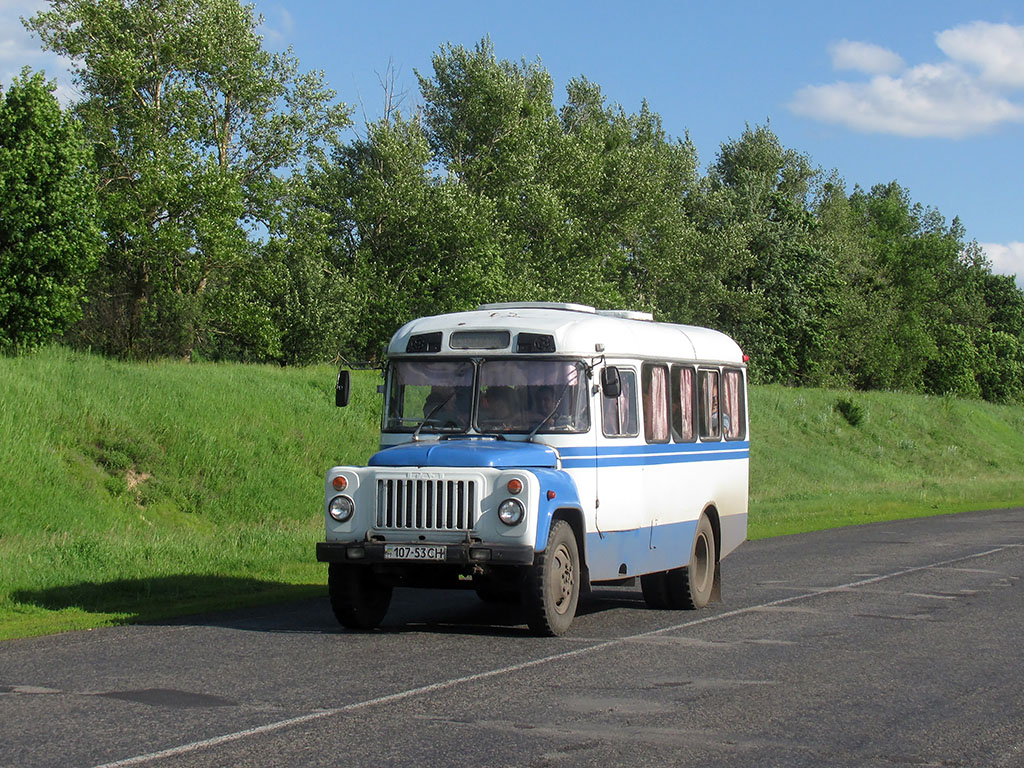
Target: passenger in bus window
x: 499, y: 408
x: 726, y: 421
x: 709, y: 415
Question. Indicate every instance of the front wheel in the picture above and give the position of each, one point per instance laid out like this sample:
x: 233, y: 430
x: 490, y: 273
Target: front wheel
x: 358, y: 599
x: 552, y: 587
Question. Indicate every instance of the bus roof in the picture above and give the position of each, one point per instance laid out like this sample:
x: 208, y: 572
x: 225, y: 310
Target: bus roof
x: 574, y: 330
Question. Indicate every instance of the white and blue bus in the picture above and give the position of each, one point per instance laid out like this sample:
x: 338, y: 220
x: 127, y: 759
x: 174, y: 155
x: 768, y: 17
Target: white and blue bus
x: 532, y: 450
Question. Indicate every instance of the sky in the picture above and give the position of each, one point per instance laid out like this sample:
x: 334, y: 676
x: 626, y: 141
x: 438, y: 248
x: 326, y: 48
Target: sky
x: 929, y: 94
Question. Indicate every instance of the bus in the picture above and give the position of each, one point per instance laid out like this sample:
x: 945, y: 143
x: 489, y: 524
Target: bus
x: 531, y: 451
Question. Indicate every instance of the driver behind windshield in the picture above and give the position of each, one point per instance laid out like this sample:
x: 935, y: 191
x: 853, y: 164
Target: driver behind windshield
x: 543, y: 406
x: 446, y: 406
x: 499, y: 409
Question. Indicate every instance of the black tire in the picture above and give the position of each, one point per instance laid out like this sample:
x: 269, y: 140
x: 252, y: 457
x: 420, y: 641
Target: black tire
x: 552, y: 588
x: 358, y: 599
x: 690, y: 587
x: 655, y: 590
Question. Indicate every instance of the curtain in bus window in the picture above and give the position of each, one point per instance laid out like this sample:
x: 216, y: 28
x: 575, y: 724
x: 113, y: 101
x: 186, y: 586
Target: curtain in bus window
x: 732, y: 413
x: 619, y: 414
x: 655, y: 381
x: 682, y: 404
x: 709, y: 417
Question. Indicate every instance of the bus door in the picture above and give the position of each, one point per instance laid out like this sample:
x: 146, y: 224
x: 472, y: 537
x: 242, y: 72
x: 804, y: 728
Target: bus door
x: 622, y: 540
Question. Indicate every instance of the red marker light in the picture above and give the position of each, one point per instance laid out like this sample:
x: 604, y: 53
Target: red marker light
x: 551, y: 495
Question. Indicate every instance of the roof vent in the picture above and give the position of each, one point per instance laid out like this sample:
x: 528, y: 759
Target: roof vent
x: 539, y: 305
x: 424, y: 342
x: 626, y: 314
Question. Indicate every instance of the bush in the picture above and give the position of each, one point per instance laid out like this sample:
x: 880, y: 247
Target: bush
x: 852, y: 412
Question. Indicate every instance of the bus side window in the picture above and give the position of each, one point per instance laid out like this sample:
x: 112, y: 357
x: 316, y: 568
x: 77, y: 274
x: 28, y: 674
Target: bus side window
x: 733, y: 418
x: 619, y: 417
x: 683, y: 426
x: 655, y: 398
x: 710, y: 420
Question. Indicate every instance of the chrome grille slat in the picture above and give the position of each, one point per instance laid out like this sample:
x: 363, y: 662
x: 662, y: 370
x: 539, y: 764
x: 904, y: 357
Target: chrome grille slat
x: 426, y: 504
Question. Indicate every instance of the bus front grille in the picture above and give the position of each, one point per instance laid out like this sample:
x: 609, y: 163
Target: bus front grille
x: 429, y: 505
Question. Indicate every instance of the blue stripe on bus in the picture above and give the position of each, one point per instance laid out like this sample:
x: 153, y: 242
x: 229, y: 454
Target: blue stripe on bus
x: 641, y: 455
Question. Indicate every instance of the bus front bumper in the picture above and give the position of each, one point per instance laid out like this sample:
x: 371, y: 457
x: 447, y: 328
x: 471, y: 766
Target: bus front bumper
x: 423, y: 553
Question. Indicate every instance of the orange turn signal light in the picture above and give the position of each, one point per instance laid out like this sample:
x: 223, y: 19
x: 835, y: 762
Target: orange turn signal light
x: 339, y: 483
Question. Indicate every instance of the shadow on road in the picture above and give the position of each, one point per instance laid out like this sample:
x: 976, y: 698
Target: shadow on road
x: 264, y: 606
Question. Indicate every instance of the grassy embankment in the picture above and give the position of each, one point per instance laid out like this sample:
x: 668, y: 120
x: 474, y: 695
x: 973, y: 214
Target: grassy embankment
x: 142, y: 491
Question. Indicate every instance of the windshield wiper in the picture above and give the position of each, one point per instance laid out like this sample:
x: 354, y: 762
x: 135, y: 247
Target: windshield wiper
x: 549, y: 414
x: 429, y: 416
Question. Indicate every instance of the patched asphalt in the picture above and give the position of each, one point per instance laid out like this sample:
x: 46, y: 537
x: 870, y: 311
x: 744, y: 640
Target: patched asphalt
x: 891, y: 644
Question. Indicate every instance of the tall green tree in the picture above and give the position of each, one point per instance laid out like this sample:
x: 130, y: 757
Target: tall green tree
x: 587, y: 200
x: 193, y: 124
x: 414, y: 243
x: 787, y: 286
x: 49, y: 241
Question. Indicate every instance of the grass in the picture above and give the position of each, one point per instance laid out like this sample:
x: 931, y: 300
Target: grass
x: 812, y: 466
x: 141, y: 491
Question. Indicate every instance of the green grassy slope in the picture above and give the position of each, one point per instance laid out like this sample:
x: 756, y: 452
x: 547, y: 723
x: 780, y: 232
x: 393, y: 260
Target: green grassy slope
x: 139, y: 491
x: 910, y: 455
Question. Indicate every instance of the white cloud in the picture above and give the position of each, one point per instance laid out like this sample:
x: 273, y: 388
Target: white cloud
x: 970, y: 92
x: 997, y: 49
x: 928, y: 100
x: 278, y: 26
x: 20, y: 48
x: 864, y: 57
x: 1006, y: 259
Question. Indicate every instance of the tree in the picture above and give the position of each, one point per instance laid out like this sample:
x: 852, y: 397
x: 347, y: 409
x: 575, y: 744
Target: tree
x: 786, y: 286
x: 410, y: 242
x: 191, y: 121
x: 587, y: 200
x: 49, y: 241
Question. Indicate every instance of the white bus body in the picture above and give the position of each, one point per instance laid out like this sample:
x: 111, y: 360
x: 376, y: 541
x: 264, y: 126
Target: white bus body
x: 530, y: 450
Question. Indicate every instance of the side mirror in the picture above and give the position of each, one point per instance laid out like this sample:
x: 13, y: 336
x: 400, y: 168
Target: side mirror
x: 342, y: 388
x: 611, y: 384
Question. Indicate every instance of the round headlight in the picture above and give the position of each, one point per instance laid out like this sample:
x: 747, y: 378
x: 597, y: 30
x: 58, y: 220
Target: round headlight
x: 511, y: 511
x: 341, y: 508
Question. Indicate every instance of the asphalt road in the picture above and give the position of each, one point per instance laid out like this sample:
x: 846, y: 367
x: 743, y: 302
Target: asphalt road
x: 895, y: 644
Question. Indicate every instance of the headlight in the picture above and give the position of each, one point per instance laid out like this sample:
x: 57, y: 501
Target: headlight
x: 341, y: 508
x: 511, y: 512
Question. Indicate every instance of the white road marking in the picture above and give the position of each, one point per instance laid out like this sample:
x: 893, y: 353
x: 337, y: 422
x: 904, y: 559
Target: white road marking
x: 320, y: 714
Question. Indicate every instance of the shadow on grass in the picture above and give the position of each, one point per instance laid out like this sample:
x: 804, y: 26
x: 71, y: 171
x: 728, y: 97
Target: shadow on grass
x: 158, y: 599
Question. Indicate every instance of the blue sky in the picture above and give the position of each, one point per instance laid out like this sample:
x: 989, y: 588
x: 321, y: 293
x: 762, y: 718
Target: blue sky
x: 930, y: 94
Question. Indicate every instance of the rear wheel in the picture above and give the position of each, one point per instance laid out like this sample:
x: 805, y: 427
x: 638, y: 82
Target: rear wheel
x: 689, y: 587
x: 358, y: 599
x: 655, y: 590
x: 552, y: 587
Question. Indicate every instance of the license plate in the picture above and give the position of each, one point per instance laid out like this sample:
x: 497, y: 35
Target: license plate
x: 414, y: 552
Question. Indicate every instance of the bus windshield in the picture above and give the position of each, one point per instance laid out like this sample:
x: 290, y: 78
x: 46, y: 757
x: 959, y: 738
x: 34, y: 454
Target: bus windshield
x: 489, y: 396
